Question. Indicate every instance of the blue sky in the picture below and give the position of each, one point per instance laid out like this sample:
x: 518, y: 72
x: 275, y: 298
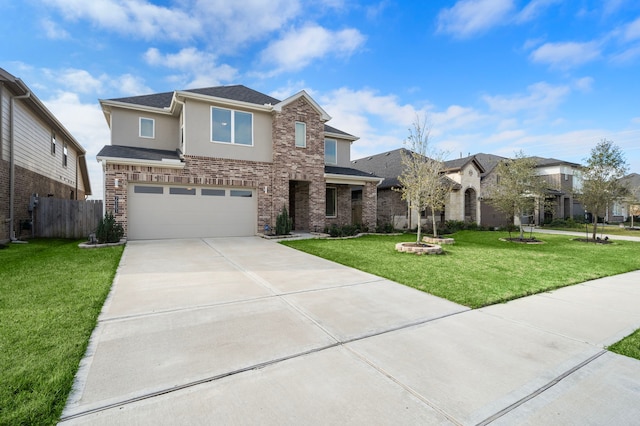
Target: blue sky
x: 549, y: 77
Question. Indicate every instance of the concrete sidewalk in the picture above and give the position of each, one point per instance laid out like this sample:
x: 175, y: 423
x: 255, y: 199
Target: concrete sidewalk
x: 601, y: 232
x: 247, y: 331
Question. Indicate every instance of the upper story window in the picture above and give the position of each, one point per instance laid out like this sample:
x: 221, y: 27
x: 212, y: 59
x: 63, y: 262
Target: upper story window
x: 230, y: 126
x: 301, y: 134
x: 330, y: 151
x: 147, y: 128
x: 64, y: 155
x: 53, y: 143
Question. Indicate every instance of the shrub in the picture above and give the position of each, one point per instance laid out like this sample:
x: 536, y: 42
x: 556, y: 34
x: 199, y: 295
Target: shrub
x: 283, y: 222
x: 109, y: 231
x: 385, y: 228
x: 344, y: 230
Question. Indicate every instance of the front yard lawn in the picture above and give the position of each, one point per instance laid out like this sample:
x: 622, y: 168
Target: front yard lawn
x: 479, y: 269
x: 51, y: 293
x: 629, y: 346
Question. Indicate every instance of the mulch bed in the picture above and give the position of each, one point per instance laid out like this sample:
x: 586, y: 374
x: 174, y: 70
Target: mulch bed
x: 592, y: 241
x: 523, y: 240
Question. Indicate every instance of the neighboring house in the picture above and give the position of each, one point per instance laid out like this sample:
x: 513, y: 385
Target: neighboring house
x: 463, y: 176
x: 37, y: 156
x: 224, y: 161
x: 622, y: 210
x: 563, y: 181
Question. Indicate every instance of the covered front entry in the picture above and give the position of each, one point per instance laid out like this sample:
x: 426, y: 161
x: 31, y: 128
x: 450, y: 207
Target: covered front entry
x: 173, y: 211
x: 470, y: 205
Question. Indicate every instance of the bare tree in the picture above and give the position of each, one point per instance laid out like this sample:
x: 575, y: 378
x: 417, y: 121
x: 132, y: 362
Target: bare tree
x: 601, y: 185
x: 423, y: 183
x: 518, y: 187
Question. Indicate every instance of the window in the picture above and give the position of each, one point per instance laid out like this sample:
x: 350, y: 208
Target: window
x: 330, y: 151
x: 241, y: 193
x: 182, y: 191
x: 332, y: 202
x: 213, y: 192
x: 230, y: 126
x: 147, y: 128
x: 64, y: 155
x: 53, y: 143
x: 301, y: 134
x: 138, y: 189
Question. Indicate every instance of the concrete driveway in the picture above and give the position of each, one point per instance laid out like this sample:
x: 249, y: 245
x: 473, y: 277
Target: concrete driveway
x: 247, y: 331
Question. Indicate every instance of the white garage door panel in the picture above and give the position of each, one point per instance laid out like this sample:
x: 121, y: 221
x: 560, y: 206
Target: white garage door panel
x: 166, y: 215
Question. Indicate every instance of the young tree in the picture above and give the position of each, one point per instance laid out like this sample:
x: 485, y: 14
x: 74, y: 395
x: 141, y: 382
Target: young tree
x: 601, y: 185
x: 423, y: 182
x: 517, y: 188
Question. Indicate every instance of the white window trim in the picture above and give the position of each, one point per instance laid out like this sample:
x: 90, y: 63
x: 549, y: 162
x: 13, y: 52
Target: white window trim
x: 325, y: 151
x: 335, y: 203
x: 233, y: 127
x: 65, y: 155
x: 304, y: 134
x: 54, y: 142
x: 153, y: 128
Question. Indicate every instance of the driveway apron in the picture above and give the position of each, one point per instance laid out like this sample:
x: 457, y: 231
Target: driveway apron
x: 247, y: 331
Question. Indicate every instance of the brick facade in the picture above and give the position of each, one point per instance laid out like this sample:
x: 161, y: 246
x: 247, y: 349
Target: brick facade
x: 27, y: 183
x: 390, y: 204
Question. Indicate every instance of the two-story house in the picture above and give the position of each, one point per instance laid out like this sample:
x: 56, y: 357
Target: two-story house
x: 461, y: 175
x: 563, y: 181
x: 37, y: 156
x: 224, y: 161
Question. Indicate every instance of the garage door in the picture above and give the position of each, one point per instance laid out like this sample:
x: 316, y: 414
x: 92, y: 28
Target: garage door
x: 156, y: 212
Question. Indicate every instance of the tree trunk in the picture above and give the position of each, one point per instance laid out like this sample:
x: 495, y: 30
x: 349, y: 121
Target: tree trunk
x: 521, y: 227
x: 595, y: 226
x: 433, y: 220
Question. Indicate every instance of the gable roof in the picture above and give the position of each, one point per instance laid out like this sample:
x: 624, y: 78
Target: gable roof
x: 309, y: 99
x: 460, y: 163
x: 488, y: 162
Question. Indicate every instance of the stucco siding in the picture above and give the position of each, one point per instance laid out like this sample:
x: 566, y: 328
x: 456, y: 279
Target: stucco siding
x: 198, y: 135
x: 344, y: 153
x: 125, y: 130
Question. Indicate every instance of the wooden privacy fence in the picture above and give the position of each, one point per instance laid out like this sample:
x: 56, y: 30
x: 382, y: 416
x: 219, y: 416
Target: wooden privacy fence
x: 60, y: 218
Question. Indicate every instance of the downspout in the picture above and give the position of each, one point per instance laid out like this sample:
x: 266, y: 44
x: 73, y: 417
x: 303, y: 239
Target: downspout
x: 12, y: 172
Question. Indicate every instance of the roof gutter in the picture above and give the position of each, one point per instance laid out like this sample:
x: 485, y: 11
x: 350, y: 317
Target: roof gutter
x: 12, y: 171
x: 350, y: 179
x: 165, y: 163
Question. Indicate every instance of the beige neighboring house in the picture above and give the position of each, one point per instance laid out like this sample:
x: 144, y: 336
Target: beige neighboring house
x: 624, y: 209
x: 37, y: 156
x: 224, y: 161
x: 463, y: 204
x: 563, y: 179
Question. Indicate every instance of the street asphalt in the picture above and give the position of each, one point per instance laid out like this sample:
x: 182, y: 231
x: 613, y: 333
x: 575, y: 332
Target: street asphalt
x: 239, y: 331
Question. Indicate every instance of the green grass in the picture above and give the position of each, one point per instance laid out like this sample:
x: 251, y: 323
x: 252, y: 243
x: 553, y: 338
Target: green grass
x: 51, y: 293
x: 629, y: 346
x: 479, y: 269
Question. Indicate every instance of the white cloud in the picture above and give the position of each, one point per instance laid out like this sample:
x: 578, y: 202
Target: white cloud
x: 533, y: 9
x: 566, y: 54
x: 298, y: 47
x: 542, y: 97
x: 53, y: 30
x: 130, y: 85
x: 138, y: 18
x: 470, y: 17
x: 230, y: 23
x: 584, y: 84
x: 79, y: 80
x: 632, y: 31
x: 199, y: 69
